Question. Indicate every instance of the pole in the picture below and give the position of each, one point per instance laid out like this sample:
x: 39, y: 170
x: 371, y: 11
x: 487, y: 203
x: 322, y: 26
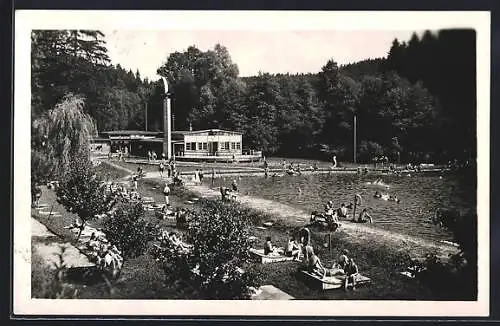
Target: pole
x: 146, y: 118
x: 354, y: 139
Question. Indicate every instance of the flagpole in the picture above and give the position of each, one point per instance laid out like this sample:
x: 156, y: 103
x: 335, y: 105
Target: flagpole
x: 354, y: 144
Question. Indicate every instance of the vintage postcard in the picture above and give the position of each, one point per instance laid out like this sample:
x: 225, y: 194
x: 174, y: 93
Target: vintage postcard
x: 196, y: 163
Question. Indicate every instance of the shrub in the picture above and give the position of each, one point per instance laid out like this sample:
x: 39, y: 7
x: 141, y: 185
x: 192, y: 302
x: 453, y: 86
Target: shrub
x: 458, y: 275
x: 127, y: 229
x: 219, y: 237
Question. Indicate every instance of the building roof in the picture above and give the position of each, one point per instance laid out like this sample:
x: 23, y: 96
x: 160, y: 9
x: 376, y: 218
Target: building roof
x: 131, y: 132
x: 209, y: 131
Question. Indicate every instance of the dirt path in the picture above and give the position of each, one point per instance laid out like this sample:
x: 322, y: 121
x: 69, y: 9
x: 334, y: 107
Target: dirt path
x: 358, y: 233
x: 52, y: 249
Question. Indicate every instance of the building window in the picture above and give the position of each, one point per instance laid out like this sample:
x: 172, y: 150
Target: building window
x: 205, y: 146
x: 200, y: 146
x: 227, y: 145
x: 193, y: 146
x: 238, y: 145
x: 188, y: 146
x: 233, y: 146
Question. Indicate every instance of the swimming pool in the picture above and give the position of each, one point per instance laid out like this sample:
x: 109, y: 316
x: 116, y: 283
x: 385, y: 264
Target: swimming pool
x: 420, y: 195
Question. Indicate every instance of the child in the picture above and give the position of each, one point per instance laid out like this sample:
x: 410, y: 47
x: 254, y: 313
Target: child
x: 293, y: 249
x: 351, y: 271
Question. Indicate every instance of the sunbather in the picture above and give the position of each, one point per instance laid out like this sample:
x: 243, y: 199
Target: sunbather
x: 313, y: 263
x: 270, y: 249
x: 293, y: 249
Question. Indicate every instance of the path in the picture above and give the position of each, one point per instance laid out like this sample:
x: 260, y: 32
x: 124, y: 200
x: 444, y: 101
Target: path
x: 358, y: 233
x: 50, y: 247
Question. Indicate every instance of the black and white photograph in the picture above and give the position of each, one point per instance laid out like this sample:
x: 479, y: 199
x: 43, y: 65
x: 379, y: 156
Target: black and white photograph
x: 200, y: 162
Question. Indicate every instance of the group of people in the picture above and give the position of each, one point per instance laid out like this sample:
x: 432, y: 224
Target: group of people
x: 106, y: 255
x: 152, y: 156
x: 387, y: 197
x: 302, y: 250
x: 198, y: 176
x: 229, y: 193
x: 175, y: 240
x: 170, y: 166
x: 330, y: 216
x: 293, y: 248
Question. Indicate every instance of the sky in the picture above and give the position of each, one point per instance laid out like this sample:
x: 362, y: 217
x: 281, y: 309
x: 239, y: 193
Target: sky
x: 301, y: 51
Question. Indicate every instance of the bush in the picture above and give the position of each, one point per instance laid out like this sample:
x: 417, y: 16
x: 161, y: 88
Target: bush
x: 219, y: 237
x: 458, y: 275
x: 127, y: 229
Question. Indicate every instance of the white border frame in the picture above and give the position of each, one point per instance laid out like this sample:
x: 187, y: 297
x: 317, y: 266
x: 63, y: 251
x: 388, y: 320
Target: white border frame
x: 26, y: 20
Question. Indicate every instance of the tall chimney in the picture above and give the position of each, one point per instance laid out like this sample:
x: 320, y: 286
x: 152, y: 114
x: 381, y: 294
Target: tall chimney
x: 167, y: 132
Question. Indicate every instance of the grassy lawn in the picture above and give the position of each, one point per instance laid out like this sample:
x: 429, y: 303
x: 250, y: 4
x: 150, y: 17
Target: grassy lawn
x: 141, y: 277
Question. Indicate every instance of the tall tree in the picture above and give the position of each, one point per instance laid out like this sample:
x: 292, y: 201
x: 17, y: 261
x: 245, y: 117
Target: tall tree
x: 59, y: 135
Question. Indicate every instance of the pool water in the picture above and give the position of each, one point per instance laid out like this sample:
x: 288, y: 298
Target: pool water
x: 420, y: 195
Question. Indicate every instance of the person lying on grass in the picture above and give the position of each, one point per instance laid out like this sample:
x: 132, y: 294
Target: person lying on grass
x: 177, y: 241
x: 293, y: 249
x: 270, y: 249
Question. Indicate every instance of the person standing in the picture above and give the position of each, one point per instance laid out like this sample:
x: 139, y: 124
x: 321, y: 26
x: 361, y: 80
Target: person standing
x: 166, y: 193
x: 334, y: 161
x: 213, y: 176
x: 200, y: 174
x: 161, y: 168
x: 357, y: 202
x: 135, y: 182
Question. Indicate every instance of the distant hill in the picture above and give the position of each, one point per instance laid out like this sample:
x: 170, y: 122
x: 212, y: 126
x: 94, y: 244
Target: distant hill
x: 366, y: 67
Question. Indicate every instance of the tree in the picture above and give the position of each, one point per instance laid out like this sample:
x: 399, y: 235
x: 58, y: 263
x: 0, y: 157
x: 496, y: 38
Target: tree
x: 58, y: 136
x: 81, y: 191
x: 219, y: 237
x: 66, y: 61
x: 128, y: 230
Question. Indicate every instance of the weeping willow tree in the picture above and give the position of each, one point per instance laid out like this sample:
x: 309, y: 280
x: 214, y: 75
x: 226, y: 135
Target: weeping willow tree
x: 59, y: 135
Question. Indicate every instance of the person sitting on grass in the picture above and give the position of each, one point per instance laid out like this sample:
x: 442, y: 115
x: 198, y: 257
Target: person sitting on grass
x: 293, y: 249
x: 364, y: 217
x: 313, y: 263
x: 351, y: 272
x: 180, y: 217
x: 342, y: 211
x: 342, y: 263
x: 270, y: 249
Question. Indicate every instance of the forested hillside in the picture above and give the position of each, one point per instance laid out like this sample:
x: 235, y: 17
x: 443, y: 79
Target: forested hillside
x: 418, y: 104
